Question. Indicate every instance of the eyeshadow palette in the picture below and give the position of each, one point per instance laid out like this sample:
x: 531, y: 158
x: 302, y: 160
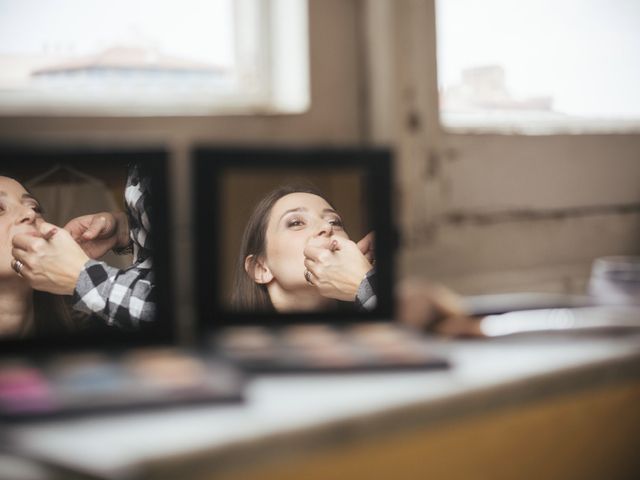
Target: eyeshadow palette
x: 82, y: 382
x: 326, y: 348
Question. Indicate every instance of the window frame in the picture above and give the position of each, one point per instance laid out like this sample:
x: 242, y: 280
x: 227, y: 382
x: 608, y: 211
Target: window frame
x: 258, y: 52
x: 498, y: 121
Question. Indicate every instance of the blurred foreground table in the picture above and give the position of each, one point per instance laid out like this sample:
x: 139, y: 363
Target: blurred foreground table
x: 534, y: 406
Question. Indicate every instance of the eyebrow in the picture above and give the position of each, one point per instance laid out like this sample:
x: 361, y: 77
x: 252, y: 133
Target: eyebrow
x: 27, y: 196
x: 23, y: 198
x: 298, y: 209
x: 305, y: 209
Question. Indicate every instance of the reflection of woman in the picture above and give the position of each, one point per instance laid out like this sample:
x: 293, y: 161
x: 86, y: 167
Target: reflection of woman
x: 296, y: 256
x: 23, y: 311
x: 67, y: 264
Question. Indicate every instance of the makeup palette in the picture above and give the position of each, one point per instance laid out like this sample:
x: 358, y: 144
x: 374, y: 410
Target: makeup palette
x: 144, y: 377
x: 326, y: 348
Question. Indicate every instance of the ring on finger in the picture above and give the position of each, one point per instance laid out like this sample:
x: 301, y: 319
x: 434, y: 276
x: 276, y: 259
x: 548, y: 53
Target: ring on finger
x: 307, y: 276
x: 17, y: 266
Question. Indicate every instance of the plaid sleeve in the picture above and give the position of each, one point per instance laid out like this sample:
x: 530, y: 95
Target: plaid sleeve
x: 366, y: 298
x: 124, y: 298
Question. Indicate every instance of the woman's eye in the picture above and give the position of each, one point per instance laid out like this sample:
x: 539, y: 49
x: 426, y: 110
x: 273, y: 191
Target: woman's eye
x: 36, y: 208
x: 336, y: 222
x: 295, y: 223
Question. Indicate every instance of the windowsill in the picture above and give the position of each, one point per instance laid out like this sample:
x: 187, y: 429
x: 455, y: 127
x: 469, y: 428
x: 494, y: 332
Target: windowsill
x: 531, y: 123
x: 188, y: 107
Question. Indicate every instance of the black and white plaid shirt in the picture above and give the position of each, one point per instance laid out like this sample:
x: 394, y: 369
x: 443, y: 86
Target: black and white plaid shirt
x: 366, y: 298
x: 124, y: 298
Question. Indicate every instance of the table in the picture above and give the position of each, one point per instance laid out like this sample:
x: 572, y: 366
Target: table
x: 534, y: 406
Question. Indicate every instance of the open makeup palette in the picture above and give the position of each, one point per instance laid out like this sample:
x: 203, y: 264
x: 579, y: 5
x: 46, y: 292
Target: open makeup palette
x: 341, y: 338
x: 93, y: 381
x: 92, y: 366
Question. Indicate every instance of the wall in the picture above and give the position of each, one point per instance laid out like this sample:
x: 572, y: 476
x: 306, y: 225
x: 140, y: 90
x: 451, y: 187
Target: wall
x: 486, y: 213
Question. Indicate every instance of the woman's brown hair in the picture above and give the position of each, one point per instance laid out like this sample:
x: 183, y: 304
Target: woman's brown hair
x: 51, y: 315
x: 249, y: 296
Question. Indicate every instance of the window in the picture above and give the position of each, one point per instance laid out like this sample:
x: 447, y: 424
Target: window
x: 148, y: 57
x: 539, y: 65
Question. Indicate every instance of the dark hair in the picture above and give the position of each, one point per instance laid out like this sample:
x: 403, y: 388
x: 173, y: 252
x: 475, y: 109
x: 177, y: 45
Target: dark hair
x: 247, y: 294
x: 52, y: 315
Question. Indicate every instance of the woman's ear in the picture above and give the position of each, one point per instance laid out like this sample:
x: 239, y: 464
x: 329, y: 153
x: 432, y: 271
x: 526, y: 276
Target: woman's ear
x: 257, y: 270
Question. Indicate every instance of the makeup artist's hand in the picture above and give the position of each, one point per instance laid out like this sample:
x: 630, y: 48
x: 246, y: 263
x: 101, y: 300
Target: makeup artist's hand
x: 427, y: 306
x: 99, y: 233
x: 337, y: 266
x: 52, y: 261
x: 367, y: 246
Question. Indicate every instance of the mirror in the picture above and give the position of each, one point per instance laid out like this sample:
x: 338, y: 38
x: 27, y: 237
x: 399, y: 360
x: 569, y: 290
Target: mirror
x: 280, y: 235
x: 56, y: 187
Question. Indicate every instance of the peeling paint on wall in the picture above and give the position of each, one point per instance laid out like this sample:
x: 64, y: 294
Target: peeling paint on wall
x: 528, y: 215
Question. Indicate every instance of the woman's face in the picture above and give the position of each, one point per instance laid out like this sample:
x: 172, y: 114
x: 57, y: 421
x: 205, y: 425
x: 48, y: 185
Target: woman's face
x: 296, y: 218
x: 19, y: 213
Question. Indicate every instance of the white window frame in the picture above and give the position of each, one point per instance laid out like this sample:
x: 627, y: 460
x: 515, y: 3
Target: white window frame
x: 275, y: 75
x: 490, y: 122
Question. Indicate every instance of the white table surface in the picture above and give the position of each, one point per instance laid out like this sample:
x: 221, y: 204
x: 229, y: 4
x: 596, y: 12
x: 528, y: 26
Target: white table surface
x: 116, y: 445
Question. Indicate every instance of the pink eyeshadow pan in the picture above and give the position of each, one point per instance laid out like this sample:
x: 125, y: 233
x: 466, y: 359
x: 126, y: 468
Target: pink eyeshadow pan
x: 25, y: 389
